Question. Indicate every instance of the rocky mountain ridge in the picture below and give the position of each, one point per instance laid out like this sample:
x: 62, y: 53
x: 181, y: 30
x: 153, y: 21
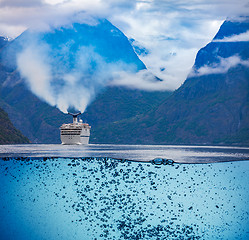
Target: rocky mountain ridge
x: 8, y: 133
x: 211, y: 107
x: 38, y: 120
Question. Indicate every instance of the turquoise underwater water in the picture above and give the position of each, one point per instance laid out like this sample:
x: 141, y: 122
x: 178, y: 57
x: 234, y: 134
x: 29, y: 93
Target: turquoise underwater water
x: 104, y: 198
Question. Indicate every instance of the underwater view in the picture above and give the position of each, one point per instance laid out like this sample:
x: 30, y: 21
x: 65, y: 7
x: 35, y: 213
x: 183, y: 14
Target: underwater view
x: 107, y: 198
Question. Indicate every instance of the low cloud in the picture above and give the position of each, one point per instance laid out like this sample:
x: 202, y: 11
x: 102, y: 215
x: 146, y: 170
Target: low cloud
x: 21, y: 3
x: 243, y: 37
x: 171, y: 31
x: 62, y: 78
x: 143, y: 80
x: 221, y: 67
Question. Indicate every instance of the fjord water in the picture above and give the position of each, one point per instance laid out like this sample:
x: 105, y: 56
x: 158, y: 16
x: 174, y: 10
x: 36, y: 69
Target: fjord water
x: 83, y: 192
x: 180, y: 154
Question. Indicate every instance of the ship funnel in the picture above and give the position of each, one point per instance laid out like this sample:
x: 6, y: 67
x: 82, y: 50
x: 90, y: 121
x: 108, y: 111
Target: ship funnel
x: 75, y: 115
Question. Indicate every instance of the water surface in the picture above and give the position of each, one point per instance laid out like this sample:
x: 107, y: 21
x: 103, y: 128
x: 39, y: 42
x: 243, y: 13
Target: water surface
x: 181, y: 154
x: 81, y: 194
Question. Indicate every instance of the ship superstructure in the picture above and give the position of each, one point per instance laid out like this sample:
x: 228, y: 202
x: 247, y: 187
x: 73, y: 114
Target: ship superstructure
x: 76, y: 132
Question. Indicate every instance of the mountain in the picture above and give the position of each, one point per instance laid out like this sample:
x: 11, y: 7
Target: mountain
x: 34, y: 118
x: 8, y: 133
x: 211, y: 107
x: 119, y: 104
x: 102, y: 37
x: 38, y: 120
x: 3, y: 42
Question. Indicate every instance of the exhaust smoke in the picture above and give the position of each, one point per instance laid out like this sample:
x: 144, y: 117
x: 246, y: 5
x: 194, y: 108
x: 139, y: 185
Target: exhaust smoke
x: 63, y: 66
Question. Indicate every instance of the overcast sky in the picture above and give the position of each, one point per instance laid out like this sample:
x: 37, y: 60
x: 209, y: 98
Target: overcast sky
x: 171, y: 30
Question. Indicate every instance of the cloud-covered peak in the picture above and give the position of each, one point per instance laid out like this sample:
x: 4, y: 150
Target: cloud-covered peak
x: 228, y: 49
x: 67, y: 66
x: 233, y: 30
x: 172, y: 32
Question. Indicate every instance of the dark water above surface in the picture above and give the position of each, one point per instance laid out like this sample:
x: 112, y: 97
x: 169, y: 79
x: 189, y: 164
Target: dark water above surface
x: 82, y: 192
x: 181, y: 154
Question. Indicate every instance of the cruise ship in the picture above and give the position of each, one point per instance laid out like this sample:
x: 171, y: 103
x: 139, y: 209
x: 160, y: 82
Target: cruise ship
x: 76, y: 132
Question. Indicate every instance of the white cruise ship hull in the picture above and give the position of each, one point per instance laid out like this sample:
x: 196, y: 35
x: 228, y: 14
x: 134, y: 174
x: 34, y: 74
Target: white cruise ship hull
x: 75, y: 133
x: 74, y: 140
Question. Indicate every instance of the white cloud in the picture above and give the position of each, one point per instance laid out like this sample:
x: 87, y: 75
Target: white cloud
x: 172, y: 31
x: 59, y: 83
x: 222, y: 66
x: 20, y: 3
x: 243, y: 37
x: 144, y: 80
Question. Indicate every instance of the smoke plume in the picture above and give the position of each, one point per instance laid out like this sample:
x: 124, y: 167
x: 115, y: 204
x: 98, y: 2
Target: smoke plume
x: 64, y: 71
